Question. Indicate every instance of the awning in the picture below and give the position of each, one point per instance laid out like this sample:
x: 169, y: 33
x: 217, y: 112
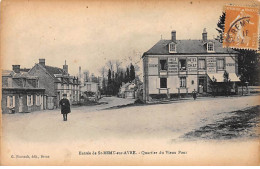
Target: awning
x: 220, y: 77
x: 233, y: 77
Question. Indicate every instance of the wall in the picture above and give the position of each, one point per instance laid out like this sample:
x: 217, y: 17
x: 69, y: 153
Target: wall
x: 45, y: 80
x: 152, y: 80
x: 20, y: 94
x: 230, y: 65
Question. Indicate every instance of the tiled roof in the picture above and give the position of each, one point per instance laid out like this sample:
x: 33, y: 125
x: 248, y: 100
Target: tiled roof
x: 187, y: 47
x: 24, y: 75
x: 54, y: 70
x: 7, y: 72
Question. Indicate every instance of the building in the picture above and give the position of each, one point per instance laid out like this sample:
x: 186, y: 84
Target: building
x: 127, y: 90
x: 21, y: 92
x: 91, y: 85
x: 178, y: 67
x: 56, y: 82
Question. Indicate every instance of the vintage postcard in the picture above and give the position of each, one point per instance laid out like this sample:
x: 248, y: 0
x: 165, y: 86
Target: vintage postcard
x: 130, y: 83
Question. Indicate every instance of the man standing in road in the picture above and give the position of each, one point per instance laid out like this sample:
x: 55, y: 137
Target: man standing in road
x: 65, y: 106
x: 194, y: 93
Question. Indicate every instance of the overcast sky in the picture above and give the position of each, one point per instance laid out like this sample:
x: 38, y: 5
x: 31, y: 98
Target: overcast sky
x: 88, y: 34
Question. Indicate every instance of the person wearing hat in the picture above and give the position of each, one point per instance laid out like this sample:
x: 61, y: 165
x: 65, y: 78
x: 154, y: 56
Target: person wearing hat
x: 65, y: 106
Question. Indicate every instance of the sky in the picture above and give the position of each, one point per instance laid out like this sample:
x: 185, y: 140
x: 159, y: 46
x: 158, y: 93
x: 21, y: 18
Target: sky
x: 90, y: 33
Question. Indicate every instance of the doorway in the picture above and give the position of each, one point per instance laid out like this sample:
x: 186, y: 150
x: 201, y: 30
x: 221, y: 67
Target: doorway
x: 20, y: 104
x: 202, y: 85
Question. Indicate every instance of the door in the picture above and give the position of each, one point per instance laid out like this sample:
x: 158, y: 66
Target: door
x: 202, y: 85
x: 50, y: 103
x: 44, y: 102
x: 20, y: 104
x: 41, y: 102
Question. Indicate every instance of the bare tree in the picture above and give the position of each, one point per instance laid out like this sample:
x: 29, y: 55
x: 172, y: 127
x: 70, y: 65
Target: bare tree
x: 110, y: 64
x: 118, y: 65
x: 102, y: 71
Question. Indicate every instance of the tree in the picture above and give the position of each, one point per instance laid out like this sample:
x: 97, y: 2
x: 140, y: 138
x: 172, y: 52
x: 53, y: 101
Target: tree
x: 213, y: 86
x: 132, y: 72
x: 127, y: 75
x: 221, y: 26
x: 227, y: 84
x: 109, y: 82
x: 110, y: 65
x: 248, y: 60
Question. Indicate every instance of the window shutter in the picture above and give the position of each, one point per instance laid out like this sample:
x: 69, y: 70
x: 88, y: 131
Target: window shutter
x: 27, y: 100
x: 157, y: 82
x: 13, y: 101
x: 8, y: 101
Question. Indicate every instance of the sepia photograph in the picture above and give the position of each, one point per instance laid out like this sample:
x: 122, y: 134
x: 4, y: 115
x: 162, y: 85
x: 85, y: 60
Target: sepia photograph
x: 130, y: 83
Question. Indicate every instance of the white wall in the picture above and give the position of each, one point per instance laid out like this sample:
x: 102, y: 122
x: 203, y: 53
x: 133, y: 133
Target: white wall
x: 230, y: 65
x: 153, y: 66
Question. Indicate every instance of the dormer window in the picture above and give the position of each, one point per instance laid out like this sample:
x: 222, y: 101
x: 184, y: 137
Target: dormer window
x: 172, y: 47
x: 210, y: 47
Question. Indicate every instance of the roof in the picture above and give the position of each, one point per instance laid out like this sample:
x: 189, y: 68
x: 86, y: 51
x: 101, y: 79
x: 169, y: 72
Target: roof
x: 187, y: 47
x: 7, y: 72
x: 54, y: 70
x: 24, y: 75
x: 127, y: 84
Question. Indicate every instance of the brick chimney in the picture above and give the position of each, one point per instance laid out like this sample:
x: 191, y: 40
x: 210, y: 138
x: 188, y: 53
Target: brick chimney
x: 174, y: 36
x: 65, y: 68
x: 204, y: 35
x: 16, y: 68
x: 42, y: 62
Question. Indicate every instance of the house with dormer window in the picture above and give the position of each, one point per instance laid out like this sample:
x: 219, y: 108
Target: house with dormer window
x: 56, y: 82
x: 177, y: 67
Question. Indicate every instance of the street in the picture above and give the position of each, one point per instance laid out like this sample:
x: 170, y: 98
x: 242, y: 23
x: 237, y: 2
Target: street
x: 98, y: 126
x: 169, y: 121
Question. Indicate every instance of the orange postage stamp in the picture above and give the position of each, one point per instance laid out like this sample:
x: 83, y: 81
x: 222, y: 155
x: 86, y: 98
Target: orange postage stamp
x: 241, y: 27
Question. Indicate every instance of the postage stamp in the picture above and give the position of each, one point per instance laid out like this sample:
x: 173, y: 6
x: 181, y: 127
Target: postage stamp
x: 241, y: 27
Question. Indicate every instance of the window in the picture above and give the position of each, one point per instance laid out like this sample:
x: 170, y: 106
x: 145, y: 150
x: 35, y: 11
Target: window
x: 172, y: 48
x: 10, y: 101
x: 202, y: 64
x: 182, y: 64
x: 220, y: 64
x: 88, y: 87
x: 37, y: 83
x: 163, y: 82
x: 210, y: 47
x: 183, y: 82
x: 163, y: 64
x: 29, y: 100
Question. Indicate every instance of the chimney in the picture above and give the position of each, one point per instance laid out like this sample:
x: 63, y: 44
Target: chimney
x: 174, y: 36
x: 65, y: 68
x: 42, y: 62
x: 16, y: 68
x: 80, y: 72
x: 204, y: 35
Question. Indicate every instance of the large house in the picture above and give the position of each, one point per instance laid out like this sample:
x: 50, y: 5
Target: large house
x: 178, y: 67
x: 56, y: 82
x: 90, y: 85
x: 21, y: 92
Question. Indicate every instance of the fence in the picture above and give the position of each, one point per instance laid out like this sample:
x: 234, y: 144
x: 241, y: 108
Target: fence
x: 248, y: 90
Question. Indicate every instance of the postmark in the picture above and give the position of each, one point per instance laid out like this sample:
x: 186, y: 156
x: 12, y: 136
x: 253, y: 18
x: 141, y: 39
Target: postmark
x: 241, y: 27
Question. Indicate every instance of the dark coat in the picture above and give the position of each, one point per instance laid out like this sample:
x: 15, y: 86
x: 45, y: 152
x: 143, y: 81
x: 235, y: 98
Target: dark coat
x: 65, y: 106
x: 194, y: 93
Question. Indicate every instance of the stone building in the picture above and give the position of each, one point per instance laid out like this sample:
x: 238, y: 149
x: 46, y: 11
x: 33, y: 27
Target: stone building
x: 178, y: 67
x: 21, y: 92
x: 56, y: 82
